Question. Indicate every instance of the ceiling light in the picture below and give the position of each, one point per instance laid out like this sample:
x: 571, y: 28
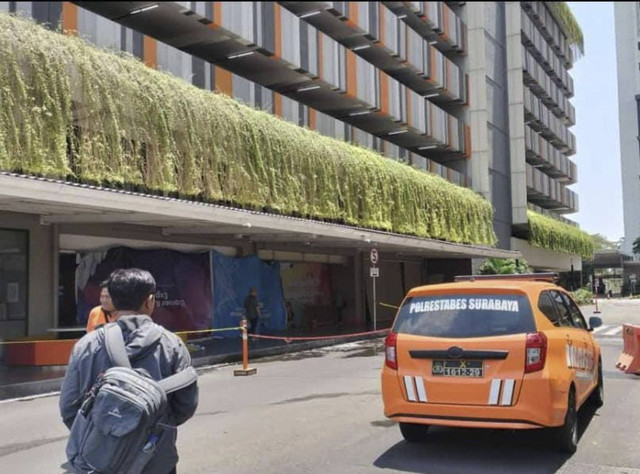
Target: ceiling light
x: 358, y: 48
x: 308, y: 14
x: 402, y: 16
x: 397, y: 132
x: 309, y: 88
x: 432, y: 95
x: 240, y: 55
x: 144, y: 9
x: 429, y: 147
x: 433, y: 42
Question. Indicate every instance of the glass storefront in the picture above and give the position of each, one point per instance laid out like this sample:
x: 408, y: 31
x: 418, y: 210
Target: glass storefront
x: 13, y: 275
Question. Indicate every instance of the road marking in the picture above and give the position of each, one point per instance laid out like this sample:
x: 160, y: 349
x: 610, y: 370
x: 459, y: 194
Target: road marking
x: 612, y: 332
x: 600, y: 329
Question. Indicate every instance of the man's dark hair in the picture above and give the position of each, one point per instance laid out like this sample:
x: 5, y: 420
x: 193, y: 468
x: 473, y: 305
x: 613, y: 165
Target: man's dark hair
x: 130, y: 287
x: 104, y: 284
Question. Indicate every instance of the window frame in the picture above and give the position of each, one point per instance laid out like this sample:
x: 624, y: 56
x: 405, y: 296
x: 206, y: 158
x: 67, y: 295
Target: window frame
x: 565, y: 322
x: 547, y: 294
x: 577, y: 317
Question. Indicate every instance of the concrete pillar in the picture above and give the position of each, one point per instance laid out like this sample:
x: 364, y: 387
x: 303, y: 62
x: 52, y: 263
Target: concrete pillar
x: 516, y: 112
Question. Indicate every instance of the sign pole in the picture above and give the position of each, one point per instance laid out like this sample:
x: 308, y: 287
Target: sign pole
x: 375, y: 319
x: 374, y: 272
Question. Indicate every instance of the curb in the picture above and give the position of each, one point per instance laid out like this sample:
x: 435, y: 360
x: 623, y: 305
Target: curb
x: 39, y: 387
x: 258, y: 353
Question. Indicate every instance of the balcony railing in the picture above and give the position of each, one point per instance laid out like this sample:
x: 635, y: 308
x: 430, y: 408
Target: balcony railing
x: 540, y: 152
x: 549, y: 30
x: 548, y: 193
x: 540, y: 83
x: 541, y: 119
x: 540, y: 49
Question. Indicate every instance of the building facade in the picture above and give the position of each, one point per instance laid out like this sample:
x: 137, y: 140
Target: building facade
x: 627, y: 25
x: 475, y: 92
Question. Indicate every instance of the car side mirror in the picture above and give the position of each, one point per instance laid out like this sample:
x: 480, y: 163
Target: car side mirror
x: 594, y: 322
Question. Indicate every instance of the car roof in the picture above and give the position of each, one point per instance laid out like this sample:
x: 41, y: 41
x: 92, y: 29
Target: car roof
x: 488, y: 286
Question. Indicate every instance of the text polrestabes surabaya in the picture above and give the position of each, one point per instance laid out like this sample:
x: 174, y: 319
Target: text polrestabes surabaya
x: 486, y: 304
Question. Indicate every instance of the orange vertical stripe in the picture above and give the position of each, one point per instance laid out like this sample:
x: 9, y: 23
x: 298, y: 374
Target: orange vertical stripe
x: 312, y: 118
x: 278, y: 29
x: 69, y: 19
x: 353, y: 12
x: 217, y: 13
x: 352, y: 78
x: 384, y: 92
x: 150, y: 52
x: 224, y: 81
x: 408, y: 96
x: 277, y: 104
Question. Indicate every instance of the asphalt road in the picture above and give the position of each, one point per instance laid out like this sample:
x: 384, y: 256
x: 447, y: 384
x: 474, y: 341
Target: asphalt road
x: 321, y: 412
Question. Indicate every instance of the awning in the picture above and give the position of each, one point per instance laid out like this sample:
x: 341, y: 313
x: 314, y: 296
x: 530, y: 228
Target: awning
x: 64, y: 203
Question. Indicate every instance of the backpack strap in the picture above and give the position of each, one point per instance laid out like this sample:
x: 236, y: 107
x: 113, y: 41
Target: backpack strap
x: 114, y: 341
x: 118, y: 355
x: 179, y: 380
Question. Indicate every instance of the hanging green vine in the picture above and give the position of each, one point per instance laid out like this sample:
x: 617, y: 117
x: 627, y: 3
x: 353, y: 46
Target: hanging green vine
x: 548, y: 233
x: 73, y: 111
x: 568, y: 23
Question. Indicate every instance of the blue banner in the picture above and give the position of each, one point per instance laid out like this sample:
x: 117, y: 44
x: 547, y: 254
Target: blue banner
x: 232, y: 279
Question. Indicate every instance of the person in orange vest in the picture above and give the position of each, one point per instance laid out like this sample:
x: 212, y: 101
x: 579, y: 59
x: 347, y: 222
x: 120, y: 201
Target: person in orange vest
x: 104, y: 313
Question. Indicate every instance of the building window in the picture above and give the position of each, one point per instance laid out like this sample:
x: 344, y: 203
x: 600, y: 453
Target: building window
x: 13, y: 275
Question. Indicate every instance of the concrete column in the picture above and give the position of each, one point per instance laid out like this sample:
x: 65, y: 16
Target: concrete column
x: 478, y: 112
x: 55, y: 277
x: 516, y: 112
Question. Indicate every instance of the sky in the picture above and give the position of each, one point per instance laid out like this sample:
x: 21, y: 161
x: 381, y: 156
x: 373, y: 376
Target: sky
x: 599, y: 184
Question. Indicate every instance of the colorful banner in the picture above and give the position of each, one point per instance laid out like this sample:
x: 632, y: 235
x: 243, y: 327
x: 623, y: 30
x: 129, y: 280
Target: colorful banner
x: 183, y: 296
x: 232, y: 280
x: 307, y: 292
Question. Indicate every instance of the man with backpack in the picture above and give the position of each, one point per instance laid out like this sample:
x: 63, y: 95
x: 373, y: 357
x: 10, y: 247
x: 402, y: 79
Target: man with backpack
x: 128, y: 386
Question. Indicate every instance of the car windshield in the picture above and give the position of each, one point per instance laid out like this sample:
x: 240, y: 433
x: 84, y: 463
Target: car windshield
x: 465, y: 315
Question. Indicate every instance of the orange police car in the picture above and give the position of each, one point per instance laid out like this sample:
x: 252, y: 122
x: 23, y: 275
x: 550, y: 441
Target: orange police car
x: 499, y: 351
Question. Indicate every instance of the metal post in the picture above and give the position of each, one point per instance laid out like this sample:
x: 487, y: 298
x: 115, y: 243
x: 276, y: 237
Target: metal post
x: 375, y: 306
x: 245, y: 353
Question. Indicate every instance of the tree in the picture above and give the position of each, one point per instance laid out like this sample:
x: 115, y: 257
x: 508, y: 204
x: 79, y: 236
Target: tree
x: 503, y: 266
x: 600, y: 242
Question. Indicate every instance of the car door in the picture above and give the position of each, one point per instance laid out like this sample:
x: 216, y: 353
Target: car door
x: 560, y: 338
x: 577, y: 348
x: 587, y: 367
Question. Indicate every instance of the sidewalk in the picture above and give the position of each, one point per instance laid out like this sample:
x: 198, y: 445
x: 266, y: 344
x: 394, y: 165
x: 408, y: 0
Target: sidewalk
x: 27, y: 381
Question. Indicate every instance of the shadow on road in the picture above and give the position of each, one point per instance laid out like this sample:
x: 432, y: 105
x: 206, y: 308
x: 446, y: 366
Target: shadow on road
x: 451, y: 450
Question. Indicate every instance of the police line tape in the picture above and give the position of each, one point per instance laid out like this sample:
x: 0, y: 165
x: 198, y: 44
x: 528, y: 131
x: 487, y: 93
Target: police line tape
x: 318, y: 338
x: 74, y: 340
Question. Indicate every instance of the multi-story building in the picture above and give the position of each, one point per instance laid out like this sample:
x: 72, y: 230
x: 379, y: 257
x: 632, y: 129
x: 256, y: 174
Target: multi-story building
x: 627, y: 24
x: 477, y: 93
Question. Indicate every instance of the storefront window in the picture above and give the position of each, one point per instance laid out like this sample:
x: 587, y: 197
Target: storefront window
x: 13, y: 275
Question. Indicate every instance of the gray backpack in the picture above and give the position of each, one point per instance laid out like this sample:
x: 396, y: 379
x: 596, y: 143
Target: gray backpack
x: 124, y: 419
